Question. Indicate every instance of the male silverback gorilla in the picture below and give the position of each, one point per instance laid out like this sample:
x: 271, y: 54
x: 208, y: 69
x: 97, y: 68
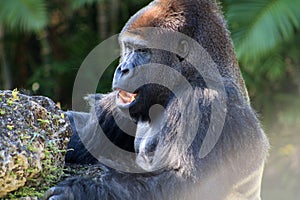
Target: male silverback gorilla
x: 172, y: 166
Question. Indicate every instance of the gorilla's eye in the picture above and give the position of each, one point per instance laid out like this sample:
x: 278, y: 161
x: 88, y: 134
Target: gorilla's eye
x: 142, y: 50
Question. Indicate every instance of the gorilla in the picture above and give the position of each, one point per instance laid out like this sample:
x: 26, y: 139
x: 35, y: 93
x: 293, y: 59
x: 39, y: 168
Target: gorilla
x: 193, y: 133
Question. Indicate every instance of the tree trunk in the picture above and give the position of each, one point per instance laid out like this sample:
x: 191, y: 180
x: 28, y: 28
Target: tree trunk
x: 5, y: 70
x: 114, y: 16
x: 102, y: 19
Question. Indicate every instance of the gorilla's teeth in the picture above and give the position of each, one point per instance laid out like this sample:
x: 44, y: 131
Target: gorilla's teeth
x: 132, y: 98
x: 126, y: 97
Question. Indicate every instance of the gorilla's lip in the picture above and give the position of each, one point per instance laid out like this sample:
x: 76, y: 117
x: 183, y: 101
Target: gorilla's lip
x: 125, y: 98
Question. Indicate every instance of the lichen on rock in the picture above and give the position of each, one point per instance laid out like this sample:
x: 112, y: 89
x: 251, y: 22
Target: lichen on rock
x: 34, y: 135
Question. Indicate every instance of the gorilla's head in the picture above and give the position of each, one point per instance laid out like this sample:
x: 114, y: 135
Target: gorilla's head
x: 138, y: 78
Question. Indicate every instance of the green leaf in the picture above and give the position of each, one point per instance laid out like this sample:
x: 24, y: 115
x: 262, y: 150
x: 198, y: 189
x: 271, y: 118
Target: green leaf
x: 24, y: 15
x: 260, y: 25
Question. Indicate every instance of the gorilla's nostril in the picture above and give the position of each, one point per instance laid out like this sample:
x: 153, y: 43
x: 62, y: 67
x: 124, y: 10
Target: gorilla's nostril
x: 125, y: 71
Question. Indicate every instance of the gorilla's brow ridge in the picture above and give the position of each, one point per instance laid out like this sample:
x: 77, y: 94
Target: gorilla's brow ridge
x: 134, y: 40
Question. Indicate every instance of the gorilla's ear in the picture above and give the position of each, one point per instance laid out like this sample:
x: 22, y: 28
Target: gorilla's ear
x: 183, y: 48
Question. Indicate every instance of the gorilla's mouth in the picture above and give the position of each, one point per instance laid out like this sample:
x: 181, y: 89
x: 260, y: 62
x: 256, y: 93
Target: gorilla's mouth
x: 125, y: 98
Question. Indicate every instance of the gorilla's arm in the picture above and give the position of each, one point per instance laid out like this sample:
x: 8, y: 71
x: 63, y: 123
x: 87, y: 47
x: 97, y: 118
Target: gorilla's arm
x: 119, y: 186
x: 77, y: 153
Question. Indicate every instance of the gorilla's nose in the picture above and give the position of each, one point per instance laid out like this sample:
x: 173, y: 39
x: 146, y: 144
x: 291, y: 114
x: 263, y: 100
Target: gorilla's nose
x: 125, y: 70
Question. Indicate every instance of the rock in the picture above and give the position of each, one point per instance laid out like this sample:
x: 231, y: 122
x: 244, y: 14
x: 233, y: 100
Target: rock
x: 34, y: 135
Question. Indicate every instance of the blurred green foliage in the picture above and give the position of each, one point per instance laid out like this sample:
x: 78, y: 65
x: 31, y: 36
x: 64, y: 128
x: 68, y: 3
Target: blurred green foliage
x: 266, y: 37
x: 43, y: 43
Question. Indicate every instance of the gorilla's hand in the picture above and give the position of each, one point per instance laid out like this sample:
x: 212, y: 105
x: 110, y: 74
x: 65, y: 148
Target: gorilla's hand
x: 76, y: 188
x: 59, y: 193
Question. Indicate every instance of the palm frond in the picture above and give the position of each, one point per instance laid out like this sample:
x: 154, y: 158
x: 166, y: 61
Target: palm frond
x: 260, y: 25
x: 29, y: 15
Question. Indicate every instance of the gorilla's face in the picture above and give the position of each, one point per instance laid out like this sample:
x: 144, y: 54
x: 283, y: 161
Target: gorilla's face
x: 136, y: 81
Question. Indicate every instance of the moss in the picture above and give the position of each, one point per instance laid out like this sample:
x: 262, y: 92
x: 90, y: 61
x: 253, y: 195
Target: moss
x: 26, y: 192
x: 47, y: 178
x: 10, y: 127
x: 14, y: 95
x: 2, y: 112
x: 43, y: 121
